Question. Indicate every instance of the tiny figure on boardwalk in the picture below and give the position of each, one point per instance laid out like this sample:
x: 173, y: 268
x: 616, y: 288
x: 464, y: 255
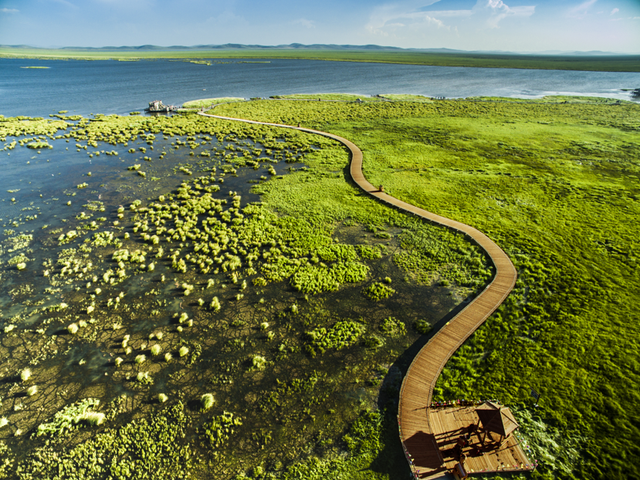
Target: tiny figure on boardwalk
x: 381, y: 189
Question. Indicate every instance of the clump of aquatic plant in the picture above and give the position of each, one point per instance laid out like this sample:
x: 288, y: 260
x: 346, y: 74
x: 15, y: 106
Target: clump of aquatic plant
x: 422, y: 326
x: 215, y: 304
x: 368, y: 252
x: 25, y: 374
x: 341, y: 335
x: 221, y: 428
x: 335, y: 252
x: 38, y: 145
x: 378, y: 291
x: 392, y: 327
x: 374, y: 342
x: 187, y: 289
x: 70, y: 417
x: 315, y: 279
x: 207, y: 400
x: 156, y: 350
x: 258, y: 362
x: 144, y: 378
x: 19, y: 259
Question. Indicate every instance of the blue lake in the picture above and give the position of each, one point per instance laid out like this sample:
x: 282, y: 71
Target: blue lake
x: 108, y: 87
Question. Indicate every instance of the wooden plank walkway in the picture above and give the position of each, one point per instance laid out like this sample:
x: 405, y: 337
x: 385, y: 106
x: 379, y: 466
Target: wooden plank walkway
x: 414, y: 415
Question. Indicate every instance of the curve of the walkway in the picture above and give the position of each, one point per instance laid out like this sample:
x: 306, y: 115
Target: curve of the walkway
x: 417, y: 387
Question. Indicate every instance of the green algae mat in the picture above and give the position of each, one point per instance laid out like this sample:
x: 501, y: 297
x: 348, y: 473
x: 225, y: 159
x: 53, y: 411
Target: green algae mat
x: 185, y: 297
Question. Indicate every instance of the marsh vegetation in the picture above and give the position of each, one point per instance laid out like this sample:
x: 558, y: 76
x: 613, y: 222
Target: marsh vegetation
x: 283, y: 302
x: 206, y: 319
x: 555, y: 183
x: 609, y: 63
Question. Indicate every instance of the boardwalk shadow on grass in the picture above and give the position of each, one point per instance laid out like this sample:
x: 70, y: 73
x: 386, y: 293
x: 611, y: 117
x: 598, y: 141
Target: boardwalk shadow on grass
x: 391, y: 460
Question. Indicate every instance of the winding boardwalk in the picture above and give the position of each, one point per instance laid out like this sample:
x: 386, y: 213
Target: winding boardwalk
x: 414, y: 415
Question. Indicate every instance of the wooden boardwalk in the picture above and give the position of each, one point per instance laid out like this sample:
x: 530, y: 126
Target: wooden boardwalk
x: 414, y: 415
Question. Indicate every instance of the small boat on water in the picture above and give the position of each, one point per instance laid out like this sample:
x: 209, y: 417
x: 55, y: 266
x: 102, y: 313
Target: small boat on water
x: 158, y: 107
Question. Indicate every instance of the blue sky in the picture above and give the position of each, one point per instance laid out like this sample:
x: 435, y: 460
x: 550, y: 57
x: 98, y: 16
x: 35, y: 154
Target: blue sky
x: 509, y: 25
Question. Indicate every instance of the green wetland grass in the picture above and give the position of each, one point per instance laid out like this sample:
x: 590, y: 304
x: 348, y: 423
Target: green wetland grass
x: 205, y: 319
x: 208, y: 102
x: 614, y: 63
x: 212, y: 319
x: 555, y: 182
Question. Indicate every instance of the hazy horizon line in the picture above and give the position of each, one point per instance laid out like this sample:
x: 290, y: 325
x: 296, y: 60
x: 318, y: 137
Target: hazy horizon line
x: 300, y: 46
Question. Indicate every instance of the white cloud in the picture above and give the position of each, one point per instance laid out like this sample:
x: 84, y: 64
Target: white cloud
x: 451, y: 13
x: 387, y: 23
x: 9, y: 10
x: 393, y: 18
x: 614, y: 11
x: 497, y: 11
x: 304, y: 22
x: 581, y: 10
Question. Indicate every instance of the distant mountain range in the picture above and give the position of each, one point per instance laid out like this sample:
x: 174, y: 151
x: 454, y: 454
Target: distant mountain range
x: 299, y: 46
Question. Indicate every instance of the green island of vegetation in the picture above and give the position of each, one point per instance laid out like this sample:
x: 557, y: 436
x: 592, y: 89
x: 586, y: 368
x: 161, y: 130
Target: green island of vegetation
x: 209, y: 102
x: 207, y: 57
x: 164, y: 323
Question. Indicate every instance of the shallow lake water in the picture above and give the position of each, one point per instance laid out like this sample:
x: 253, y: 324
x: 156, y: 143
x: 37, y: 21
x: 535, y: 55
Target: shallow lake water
x: 105, y: 86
